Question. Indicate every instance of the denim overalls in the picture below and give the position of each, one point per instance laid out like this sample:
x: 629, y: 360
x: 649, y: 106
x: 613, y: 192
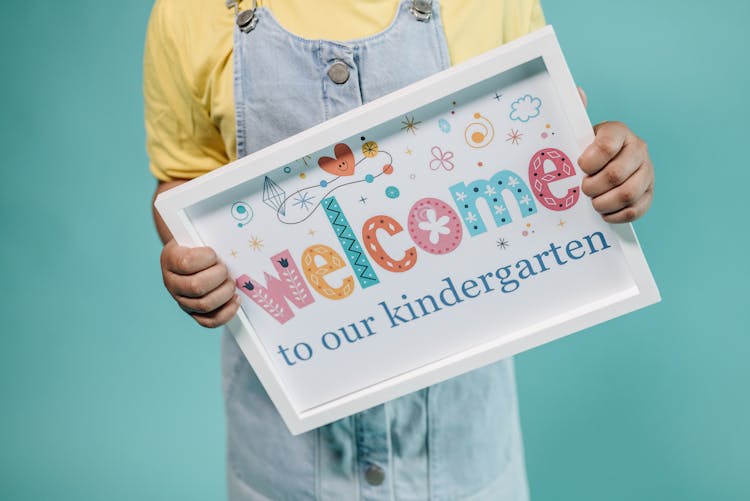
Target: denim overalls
x: 457, y: 440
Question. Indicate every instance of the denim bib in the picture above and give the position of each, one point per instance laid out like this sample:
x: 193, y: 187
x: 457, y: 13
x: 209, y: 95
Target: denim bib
x: 456, y: 440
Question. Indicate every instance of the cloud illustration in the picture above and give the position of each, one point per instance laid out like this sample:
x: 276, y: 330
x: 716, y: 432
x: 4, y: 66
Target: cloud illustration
x: 525, y: 108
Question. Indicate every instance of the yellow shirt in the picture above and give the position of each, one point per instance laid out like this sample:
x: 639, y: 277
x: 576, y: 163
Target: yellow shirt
x: 189, y: 98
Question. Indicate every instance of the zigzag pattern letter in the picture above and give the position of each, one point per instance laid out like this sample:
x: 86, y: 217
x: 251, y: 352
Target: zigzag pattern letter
x: 357, y: 258
x: 272, y: 298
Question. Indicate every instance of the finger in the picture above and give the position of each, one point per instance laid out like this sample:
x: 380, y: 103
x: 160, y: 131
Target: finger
x: 616, y: 172
x: 187, y: 260
x: 219, y: 316
x: 211, y: 301
x: 630, y: 214
x: 610, y: 139
x: 584, y: 97
x: 625, y: 195
x: 198, y: 284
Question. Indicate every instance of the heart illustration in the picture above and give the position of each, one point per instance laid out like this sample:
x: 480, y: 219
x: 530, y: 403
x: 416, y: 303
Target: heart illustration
x: 342, y: 165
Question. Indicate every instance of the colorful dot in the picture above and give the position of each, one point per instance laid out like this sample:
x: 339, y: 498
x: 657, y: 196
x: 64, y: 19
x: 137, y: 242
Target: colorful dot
x: 370, y: 149
x: 525, y: 233
x: 369, y: 178
x: 392, y: 192
x: 287, y: 169
x: 477, y: 115
x: 477, y: 137
x: 480, y: 164
x: 545, y: 135
x: 387, y: 169
x: 302, y: 175
x: 548, y: 126
x: 323, y: 183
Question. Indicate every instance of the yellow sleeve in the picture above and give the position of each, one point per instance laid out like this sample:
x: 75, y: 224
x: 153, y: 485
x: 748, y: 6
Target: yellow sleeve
x: 472, y: 28
x: 181, y: 140
x: 521, y: 18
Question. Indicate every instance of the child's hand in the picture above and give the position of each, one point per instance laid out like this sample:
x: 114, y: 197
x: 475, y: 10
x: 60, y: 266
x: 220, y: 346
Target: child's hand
x: 620, y: 177
x: 199, y: 283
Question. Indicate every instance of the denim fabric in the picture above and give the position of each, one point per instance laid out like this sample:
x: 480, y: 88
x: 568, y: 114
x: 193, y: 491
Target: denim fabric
x: 456, y: 440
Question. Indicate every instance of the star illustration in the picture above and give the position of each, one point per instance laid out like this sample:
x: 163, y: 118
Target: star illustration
x: 498, y: 96
x: 502, y: 244
x: 255, y: 243
x: 304, y: 200
x: 311, y: 232
x: 234, y: 253
x: 410, y: 125
x: 514, y: 137
x: 561, y: 223
x: 363, y: 199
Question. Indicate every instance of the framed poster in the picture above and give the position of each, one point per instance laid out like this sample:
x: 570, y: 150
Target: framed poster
x: 417, y: 237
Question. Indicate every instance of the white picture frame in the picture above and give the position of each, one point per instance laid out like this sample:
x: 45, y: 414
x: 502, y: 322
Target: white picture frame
x: 542, y: 45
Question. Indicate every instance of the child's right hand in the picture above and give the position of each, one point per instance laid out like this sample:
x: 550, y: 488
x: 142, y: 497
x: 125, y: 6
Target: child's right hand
x: 200, y: 283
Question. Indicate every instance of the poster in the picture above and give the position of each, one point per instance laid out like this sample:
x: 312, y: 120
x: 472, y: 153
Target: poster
x: 454, y: 225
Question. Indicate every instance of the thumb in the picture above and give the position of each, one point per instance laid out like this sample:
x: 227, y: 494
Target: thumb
x: 584, y: 98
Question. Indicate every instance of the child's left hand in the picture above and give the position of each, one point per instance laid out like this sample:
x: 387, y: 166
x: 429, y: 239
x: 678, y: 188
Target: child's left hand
x: 620, y: 177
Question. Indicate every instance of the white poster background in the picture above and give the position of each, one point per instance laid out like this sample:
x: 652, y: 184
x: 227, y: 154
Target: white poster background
x: 391, y: 351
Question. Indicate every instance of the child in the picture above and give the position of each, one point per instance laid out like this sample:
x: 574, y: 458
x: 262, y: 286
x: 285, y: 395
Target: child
x: 221, y: 83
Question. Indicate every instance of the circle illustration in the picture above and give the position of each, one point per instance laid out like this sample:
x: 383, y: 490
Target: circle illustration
x: 370, y: 149
x: 242, y: 213
x: 480, y: 133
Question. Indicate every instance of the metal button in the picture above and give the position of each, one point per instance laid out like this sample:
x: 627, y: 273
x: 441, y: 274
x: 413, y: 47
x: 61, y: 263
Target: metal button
x: 338, y: 72
x: 421, y: 9
x: 246, y: 20
x: 374, y: 475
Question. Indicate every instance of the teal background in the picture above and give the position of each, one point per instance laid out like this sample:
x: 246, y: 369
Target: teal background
x: 108, y: 392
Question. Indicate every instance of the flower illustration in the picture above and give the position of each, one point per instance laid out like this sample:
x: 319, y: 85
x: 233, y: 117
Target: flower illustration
x: 441, y: 159
x: 436, y: 226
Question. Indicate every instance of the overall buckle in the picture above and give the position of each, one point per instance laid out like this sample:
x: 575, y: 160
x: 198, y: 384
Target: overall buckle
x: 422, y: 10
x: 246, y: 19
